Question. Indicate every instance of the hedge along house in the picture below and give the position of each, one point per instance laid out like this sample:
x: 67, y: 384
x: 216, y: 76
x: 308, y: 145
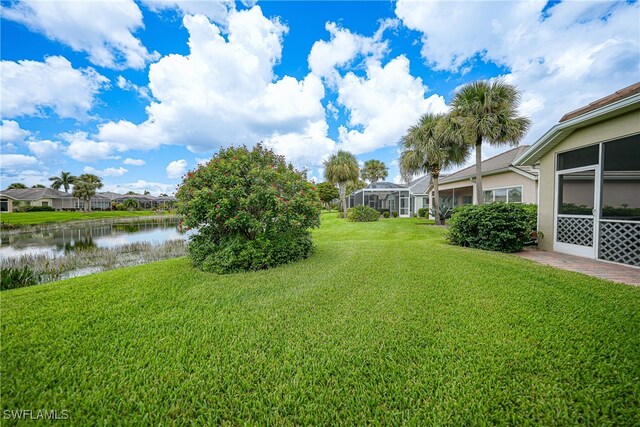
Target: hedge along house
x: 589, y: 168
x: 501, y: 182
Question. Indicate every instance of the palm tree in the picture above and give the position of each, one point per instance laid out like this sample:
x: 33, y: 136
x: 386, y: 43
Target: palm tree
x: 85, y: 187
x: 65, y: 180
x: 490, y: 110
x: 341, y: 168
x: 432, y: 145
x: 374, y: 171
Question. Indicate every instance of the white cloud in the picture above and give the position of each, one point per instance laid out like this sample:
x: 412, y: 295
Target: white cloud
x: 382, y: 104
x: 133, y: 162
x: 574, y: 54
x: 176, y: 168
x: 14, y: 161
x: 10, y: 131
x: 102, y: 29
x: 28, y: 177
x: 124, y: 84
x: 82, y: 148
x: 343, y: 48
x: 225, y: 91
x: 216, y: 11
x: 45, y: 149
x: 140, y: 186
x: 31, y: 87
x: 105, y: 172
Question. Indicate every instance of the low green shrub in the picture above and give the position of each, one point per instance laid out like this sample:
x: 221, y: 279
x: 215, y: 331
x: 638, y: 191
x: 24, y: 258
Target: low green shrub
x: 502, y: 227
x: 13, y: 278
x: 395, y: 214
x: 386, y: 214
x: 38, y: 209
x: 382, y: 211
x: 363, y: 214
x: 237, y: 254
x: 423, y: 212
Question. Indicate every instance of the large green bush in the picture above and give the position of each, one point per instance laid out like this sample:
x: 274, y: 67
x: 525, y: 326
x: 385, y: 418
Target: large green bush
x: 503, y: 227
x: 363, y: 214
x: 251, y: 211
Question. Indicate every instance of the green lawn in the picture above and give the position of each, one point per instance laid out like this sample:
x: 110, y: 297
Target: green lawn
x: 33, y: 218
x: 385, y: 324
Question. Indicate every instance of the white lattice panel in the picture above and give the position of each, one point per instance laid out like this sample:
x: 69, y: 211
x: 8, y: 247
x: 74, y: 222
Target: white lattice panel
x: 575, y: 231
x: 620, y: 242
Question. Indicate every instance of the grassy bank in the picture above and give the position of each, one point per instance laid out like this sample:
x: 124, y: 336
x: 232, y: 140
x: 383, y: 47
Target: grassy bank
x: 34, y: 218
x: 385, y: 323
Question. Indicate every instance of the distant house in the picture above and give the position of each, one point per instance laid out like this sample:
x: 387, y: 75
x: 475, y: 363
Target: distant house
x: 589, y: 168
x: 10, y: 200
x: 501, y: 182
x: 145, y: 201
x: 405, y: 199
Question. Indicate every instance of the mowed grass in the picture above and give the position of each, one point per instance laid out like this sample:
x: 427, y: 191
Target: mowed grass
x: 33, y: 218
x: 385, y: 324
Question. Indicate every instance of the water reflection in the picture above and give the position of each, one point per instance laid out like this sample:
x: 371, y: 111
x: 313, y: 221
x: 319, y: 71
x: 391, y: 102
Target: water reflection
x: 74, y: 238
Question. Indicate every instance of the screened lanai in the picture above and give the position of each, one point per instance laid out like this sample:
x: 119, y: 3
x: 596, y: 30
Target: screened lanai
x: 384, y: 196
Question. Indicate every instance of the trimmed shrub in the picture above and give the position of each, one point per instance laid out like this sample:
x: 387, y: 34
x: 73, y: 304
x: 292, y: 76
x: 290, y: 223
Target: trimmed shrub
x: 363, y: 214
x: 502, y: 227
x: 39, y: 209
x: 423, y: 212
x: 252, y: 211
x: 386, y: 214
x: 13, y: 278
x: 395, y: 214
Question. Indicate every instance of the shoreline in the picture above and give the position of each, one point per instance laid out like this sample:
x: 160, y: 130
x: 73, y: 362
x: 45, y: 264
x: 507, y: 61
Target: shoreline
x: 47, y: 226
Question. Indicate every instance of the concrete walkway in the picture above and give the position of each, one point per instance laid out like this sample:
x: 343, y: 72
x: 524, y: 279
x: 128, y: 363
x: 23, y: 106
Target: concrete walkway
x: 604, y: 270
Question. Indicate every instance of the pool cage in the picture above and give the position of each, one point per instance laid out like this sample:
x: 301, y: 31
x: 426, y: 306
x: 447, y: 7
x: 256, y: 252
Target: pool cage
x: 384, y: 196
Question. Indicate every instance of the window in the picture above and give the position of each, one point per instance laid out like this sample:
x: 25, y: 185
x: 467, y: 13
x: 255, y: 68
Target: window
x: 45, y: 204
x: 576, y: 193
x: 586, y: 156
x: 425, y: 201
x: 621, y: 179
x: 505, y: 195
x: 4, y: 205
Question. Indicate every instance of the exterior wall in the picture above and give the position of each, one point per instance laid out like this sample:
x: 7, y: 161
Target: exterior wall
x: 47, y: 202
x: 625, y: 125
x: 501, y: 180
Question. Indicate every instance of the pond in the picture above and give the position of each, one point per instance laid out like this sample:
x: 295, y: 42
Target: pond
x: 77, y: 237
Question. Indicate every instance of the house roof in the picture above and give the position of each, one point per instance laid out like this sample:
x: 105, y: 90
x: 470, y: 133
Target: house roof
x: 420, y: 185
x: 496, y: 164
x: 384, y: 184
x: 602, y: 102
x: 618, y: 103
x: 33, y: 193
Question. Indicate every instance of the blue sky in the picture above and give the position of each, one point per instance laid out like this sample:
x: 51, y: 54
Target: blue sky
x: 141, y: 91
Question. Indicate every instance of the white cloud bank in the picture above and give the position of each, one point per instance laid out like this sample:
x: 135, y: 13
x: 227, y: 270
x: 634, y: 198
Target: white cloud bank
x: 32, y: 87
x: 382, y: 104
x: 102, y: 29
x: 223, y: 92
x: 574, y: 53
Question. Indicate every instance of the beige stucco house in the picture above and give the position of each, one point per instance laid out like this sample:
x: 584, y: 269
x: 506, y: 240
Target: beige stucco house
x: 501, y: 182
x: 589, y: 180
